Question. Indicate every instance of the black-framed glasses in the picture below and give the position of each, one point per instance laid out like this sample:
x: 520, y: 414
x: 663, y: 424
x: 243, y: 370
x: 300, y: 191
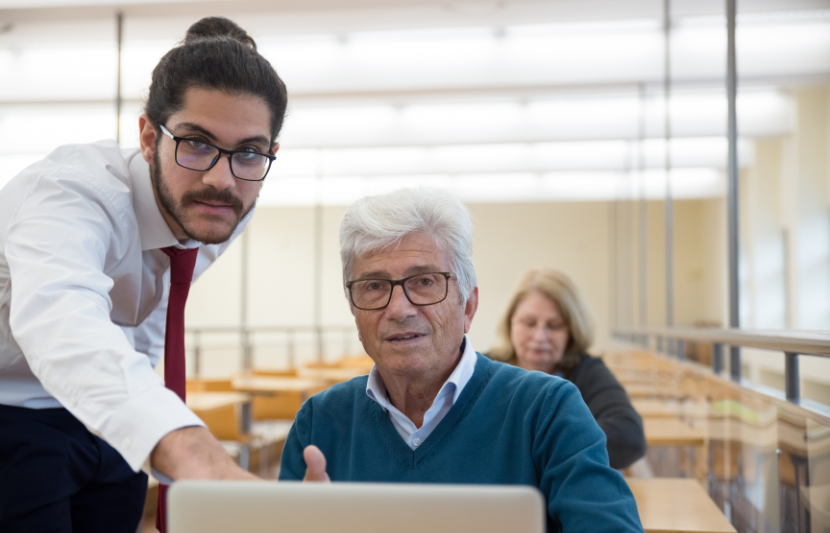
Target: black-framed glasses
x: 428, y: 288
x: 195, y: 154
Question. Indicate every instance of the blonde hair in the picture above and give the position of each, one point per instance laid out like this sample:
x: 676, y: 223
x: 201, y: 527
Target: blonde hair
x: 560, y: 290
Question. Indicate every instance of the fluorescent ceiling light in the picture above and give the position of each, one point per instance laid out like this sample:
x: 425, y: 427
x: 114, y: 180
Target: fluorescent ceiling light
x: 760, y: 113
x: 503, y: 158
x: 499, y: 188
x: 441, y: 59
x: 41, y: 128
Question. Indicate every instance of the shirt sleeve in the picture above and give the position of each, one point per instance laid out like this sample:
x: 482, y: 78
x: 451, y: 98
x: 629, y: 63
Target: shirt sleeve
x: 614, y: 413
x: 292, y: 464
x: 56, y: 247
x: 584, y: 493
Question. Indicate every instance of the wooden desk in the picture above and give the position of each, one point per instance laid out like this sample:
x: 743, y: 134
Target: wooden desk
x: 656, y: 408
x: 332, y: 375
x: 817, y: 500
x: 218, y: 411
x: 275, y: 385
x: 671, y: 432
x: 642, y: 390
x: 200, y: 402
x: 652, y: 408
x: 671, y: 505
x: 278, y: 397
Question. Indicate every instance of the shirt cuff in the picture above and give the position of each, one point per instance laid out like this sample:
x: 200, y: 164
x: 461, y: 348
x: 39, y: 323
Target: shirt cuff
x: 137, y: 425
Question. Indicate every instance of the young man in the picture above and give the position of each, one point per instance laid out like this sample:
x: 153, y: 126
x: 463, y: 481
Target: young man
x: 91, y: 239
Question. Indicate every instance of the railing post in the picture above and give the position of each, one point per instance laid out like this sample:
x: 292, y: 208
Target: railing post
x: 735, y: 363
x: 319, y: 344
x: 681, y: 349
x: 791, y: 377
x: 717, y: 358
x: 197, y: 353
x: 290, y: 348
x: 346, y: 342
x: 247, y: 354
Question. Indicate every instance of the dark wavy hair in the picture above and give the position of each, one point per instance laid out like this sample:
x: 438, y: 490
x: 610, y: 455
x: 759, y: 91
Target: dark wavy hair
x: 216, y: 54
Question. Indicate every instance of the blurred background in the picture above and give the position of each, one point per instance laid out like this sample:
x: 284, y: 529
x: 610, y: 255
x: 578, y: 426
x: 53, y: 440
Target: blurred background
x: 567, y: 127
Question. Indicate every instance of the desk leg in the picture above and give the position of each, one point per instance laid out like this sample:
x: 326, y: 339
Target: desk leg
x: 245, y: 418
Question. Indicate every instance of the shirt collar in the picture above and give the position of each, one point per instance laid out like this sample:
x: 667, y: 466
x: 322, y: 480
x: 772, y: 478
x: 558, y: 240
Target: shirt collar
x: 152, y: 228
x: 376, y: 388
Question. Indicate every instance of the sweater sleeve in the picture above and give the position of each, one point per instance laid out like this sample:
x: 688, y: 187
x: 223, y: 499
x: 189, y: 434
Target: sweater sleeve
x: 292, y: 464
x: 614, y: 413
x: 584, y: 493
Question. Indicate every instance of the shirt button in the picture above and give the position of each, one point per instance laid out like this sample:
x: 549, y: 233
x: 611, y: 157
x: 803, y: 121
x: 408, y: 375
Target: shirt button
x: 126, y: 443
x: 416, y: 442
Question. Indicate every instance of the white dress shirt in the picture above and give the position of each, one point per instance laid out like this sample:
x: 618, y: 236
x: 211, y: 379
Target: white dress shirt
x: 444, y: 400
x: 83, y: 295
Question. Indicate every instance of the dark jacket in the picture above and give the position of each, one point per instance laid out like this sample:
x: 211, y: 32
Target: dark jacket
x: 608, y: 402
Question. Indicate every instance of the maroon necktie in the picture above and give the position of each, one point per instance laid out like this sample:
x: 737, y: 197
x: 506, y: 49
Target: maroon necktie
x: 182, y: 262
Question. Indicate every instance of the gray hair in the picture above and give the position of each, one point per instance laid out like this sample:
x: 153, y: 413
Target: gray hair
x: 377, y: 222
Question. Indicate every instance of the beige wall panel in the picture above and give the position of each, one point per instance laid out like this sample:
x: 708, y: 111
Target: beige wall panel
x: 656, y: 252
x: 509, y: 238
x: 214, y: 297
x: 281, y: 267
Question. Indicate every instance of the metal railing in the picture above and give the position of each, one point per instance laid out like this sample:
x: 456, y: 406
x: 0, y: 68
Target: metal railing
x: 247, y: 337
x: 792, y: 343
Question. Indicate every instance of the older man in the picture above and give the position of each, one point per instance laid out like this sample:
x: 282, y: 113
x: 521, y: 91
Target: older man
x: 432, y: 410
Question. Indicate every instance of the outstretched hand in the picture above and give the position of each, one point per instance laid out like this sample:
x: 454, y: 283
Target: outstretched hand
x: 315, y: 463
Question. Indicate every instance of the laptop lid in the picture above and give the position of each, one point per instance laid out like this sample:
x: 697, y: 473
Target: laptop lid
x: 252, y: 507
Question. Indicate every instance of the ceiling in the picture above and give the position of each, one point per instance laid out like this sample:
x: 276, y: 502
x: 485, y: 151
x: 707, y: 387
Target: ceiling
x: 499, y: 100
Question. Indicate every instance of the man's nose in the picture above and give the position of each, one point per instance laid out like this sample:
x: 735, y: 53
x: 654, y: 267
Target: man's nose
x: 399, y: 305
x: 220, y: 176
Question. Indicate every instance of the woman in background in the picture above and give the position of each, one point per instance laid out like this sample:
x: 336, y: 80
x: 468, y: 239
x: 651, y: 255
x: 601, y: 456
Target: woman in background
x: 547, y: 328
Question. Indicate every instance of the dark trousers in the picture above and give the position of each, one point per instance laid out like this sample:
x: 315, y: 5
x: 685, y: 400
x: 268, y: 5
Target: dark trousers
x: 57, y: 477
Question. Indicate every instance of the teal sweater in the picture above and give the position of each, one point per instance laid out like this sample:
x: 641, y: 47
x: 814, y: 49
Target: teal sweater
x: 509, y: 426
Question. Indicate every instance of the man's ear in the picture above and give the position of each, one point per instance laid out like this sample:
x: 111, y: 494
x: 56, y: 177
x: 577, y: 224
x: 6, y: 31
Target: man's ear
x: 275, y: 148
x: 470, y: 309
x: 147, y: 137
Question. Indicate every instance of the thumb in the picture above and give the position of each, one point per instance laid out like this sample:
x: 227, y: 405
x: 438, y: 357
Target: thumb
x: 315, y: 463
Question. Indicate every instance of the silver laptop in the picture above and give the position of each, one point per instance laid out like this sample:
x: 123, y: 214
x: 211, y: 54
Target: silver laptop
x: 252, y: 507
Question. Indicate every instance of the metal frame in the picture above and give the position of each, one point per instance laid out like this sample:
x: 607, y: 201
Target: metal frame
x: 247, y: 334
x: 792, y: 343
x: 732, y: 190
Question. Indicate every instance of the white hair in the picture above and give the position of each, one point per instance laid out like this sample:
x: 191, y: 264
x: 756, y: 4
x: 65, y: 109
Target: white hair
x: 377, y: 222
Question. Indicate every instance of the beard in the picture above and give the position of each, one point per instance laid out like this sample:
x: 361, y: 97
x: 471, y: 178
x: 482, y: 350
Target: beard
x: 178, y: 212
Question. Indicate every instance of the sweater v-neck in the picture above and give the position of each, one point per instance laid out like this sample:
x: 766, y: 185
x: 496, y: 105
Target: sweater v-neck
x: 411, y: 458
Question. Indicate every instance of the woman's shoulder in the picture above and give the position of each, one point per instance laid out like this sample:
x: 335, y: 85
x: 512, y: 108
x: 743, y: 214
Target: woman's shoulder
x: 589, y: 368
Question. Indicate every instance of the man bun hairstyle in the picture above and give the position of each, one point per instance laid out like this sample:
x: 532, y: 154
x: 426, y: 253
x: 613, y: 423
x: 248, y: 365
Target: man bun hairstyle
x: 216, y: 54
x: 218, y: 27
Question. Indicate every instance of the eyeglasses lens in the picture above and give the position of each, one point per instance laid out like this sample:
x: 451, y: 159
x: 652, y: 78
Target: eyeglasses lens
x: 423, y: 289
x: 197, y: 155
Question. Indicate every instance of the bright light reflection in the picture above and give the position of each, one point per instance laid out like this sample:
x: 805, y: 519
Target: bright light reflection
x: 505, y: 157
x: 760, y: 113
x: 500, y: 188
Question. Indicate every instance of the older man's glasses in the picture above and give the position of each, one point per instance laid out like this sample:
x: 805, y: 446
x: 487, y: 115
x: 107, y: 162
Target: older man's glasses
x: 195, y: 154
x: 421, y: 289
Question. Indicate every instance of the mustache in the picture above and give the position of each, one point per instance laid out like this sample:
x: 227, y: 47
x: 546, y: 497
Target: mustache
x: 212, y: 195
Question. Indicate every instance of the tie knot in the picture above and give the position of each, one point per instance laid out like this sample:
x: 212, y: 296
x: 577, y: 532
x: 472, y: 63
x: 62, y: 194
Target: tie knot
x: 182, y: 263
